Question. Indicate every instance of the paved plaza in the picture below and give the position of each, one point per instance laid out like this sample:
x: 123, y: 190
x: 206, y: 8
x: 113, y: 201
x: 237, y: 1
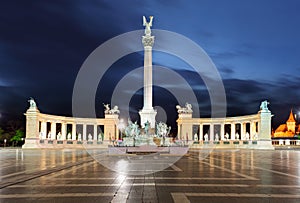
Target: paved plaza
x: 199, y: 176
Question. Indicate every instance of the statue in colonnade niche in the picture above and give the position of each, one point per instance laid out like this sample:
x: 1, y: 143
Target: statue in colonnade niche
x: 59, y: 136
x: 255, y: 136
x: 217, y: 138
x: 79, y: 137
x: 69, y: 136
x: 196, y: 137
x: 90, y: 137
x: 100, y: 137
x: 226, y: 136
x: 206, y: 137
x: 247, y: 136
x: 237, y: 136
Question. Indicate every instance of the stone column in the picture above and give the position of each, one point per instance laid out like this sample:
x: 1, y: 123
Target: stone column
x: 95, y: 131
x: 73, y: 131
x: 242, y: 131
x: 222, y: 131
x: 211, y: 132
x: 53, y: 131
x: 84, y: 132
x: 147, y: 114
x: 201, y: 132
x: 44, y: 128
x: 232, y: 133
x: 63, y: 131
x: 179, y: 131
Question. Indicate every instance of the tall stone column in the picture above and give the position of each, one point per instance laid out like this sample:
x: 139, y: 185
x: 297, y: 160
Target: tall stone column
x: 95, y: 131
x: 222, y: 131
x: 32, y: 127
x: 73, y: 131
x: 201, y: 132
x: 232, y: 133
x: 147, y: 114
x: 179, y: 131
x: 84, y: 132
x: 44, y: 129
x: 242, y: 131
x: 53, y: 131
x: 63, y: 131
x: 211, y: 132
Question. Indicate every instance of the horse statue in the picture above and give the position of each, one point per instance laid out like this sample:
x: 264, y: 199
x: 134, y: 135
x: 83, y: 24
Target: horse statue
x: 107, y: 108
x: 114, y: 110
x: 186, y: 109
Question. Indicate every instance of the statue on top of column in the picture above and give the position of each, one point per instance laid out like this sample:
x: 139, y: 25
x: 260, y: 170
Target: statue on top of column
x: 147, y: 25
x: 32, y: 103
x: 187, y: 109
x: 108, y: 110
x: 264, y: 106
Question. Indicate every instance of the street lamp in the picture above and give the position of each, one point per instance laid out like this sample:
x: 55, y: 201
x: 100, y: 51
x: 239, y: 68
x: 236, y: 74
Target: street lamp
x: 4, y: 142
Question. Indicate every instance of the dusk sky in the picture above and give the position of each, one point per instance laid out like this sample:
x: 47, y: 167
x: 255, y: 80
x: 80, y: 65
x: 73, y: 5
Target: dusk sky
x: 255, y: 46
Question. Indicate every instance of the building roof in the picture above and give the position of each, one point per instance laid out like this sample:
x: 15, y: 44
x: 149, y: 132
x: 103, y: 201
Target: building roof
x: 281, y: 128
x: 291, y: 117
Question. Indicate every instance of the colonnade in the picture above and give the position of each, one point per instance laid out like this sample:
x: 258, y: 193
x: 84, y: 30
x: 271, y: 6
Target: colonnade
x: 232, y: 133
x: 53, y: 133
x: 249, y: 127
x: 229, y: 128
x: 41, y: 127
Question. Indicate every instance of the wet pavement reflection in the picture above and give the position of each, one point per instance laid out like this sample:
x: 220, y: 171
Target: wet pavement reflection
x: 219, y: 176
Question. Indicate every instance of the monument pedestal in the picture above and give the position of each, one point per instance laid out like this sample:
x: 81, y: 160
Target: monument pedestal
x: 32, y: 128
x: 264, y: 144
x: 148, y: 115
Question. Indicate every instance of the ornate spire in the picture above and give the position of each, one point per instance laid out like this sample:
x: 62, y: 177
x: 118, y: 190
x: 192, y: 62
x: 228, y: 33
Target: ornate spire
x: 291, y: 117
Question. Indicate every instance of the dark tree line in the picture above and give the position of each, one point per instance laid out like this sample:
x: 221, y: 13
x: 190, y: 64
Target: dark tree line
x: 12, y: 133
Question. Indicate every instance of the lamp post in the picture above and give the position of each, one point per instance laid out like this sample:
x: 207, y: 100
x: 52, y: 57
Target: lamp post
x: 5, y: 142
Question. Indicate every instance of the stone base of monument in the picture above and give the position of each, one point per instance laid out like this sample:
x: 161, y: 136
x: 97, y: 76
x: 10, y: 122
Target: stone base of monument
x: 237, y: 144
x: 31, y: 143
x: 264, y: 144
x: 148, y: 150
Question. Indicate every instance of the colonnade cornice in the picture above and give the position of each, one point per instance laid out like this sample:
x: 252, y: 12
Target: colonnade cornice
x: 65, y: 119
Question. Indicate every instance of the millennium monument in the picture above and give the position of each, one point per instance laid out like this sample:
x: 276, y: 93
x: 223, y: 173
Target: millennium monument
x: 147, y: 114
x: 52, y: 131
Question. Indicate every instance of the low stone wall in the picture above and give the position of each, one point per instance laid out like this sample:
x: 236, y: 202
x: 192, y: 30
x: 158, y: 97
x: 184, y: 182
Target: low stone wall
x: 240, y: 144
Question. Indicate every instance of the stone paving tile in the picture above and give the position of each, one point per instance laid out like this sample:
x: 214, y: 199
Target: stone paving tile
x: 223, y: 176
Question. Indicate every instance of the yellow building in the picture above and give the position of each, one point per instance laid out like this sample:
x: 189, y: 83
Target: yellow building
x: 289, y: 129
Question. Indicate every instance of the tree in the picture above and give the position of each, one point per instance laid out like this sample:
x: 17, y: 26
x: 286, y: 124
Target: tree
x: 1, y: 131
x: 19, y: 134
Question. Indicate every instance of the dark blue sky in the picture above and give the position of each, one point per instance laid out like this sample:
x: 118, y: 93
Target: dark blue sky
x: 255, y: 46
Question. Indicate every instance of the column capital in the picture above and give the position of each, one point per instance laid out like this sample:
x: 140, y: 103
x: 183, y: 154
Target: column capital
x: 148, y: 41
